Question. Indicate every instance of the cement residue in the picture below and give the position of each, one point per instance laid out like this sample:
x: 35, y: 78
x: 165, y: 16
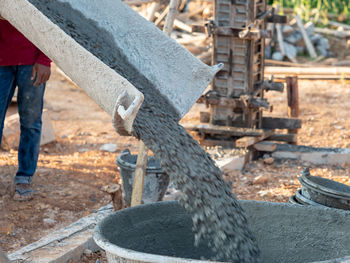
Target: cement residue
x: 216, y: 214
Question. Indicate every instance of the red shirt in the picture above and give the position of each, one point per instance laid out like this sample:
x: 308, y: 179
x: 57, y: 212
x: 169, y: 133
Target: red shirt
x: 16, y: 49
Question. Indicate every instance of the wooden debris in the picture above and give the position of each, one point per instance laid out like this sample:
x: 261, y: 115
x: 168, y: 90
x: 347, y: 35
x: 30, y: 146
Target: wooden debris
x: 311, y: 73
x: 280, y: 123
x: 331, y: 32
x: 224, y: 130
x: 116, y: 193
x: 247, y: 141
x: 293, y: 99
x: 339, y: 25
x: 308, y: 43
x: 265, y: 146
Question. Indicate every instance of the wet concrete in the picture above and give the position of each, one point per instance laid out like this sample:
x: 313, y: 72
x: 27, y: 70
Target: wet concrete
x: 285, y: 233
x: 215, y: 212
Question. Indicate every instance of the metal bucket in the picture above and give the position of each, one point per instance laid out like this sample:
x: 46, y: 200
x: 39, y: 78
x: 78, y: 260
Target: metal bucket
x: 325, y: 192
x: 156, y: 181
x: 162, y: 232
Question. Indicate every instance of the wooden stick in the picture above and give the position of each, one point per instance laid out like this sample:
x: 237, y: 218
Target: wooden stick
x: 152, y: 11
x: 293, y: 100
x: 292, y: 71
x: 309, y: 46
x: 170, y: 18
x: 335, y: 33
x: 139, y: 176
x: 337, y: 24
x: 162, y: 16
x: 280, y: 39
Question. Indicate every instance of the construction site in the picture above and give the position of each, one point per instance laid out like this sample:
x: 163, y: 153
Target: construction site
x: 183, y: 131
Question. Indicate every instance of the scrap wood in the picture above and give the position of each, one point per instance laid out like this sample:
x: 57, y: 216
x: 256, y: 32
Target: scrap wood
x: 309, y: 45
x: 339, y: 25
x: 335, y: 33
x: 265, y: 146
x: 247, y: 141
x: 315, y: 72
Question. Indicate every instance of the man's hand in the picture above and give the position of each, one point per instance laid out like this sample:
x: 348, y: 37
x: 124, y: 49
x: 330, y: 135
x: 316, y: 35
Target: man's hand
x: 40, y: 73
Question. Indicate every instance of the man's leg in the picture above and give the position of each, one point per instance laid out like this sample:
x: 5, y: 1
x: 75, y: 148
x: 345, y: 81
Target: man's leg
x: 30, y: 105
x: 7, y: 89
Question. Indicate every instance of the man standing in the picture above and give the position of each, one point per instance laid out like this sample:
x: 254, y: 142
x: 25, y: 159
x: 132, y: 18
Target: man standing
x: 25, y: 66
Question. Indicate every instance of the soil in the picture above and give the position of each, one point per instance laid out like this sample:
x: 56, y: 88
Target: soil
x: 72, y: 170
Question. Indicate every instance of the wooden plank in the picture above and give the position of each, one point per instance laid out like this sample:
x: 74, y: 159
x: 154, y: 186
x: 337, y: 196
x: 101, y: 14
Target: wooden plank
x: 280, y: 123
x: 139, y: 177
x: 224, y: 130
x: 335, y: 33
x: 250, y: 140
x: 293, y: 99
x: 283, y: 137
x: 265, y: 146
x: 309, y: 45
x: 293, y: 71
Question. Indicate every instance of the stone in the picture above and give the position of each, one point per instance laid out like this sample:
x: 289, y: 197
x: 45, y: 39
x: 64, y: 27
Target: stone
x: 261, y: 179
x: 300, y: 50
x: 269, y: 160
x: 315, y: 39
x: 87, y: 252
x: 324, y: 42
x: 231, y: 164
x: 323, y: 52
x: 277, y: 56
x: 11, y: 132
x: 49, y: 221
x: 287, y: 30
x: 294, y: 38
x: 309, y: 28
x: 109, y: 147
x: 291, y: 51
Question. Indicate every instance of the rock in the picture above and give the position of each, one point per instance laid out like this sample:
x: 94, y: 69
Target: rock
x: 287, y: 30
x: 11, y: 132
x: 109, y: 147
x: 291, y: 51
x: 265, y: 193
x: 323, y: 52
x: 300, y: 50
x: 315, y: 39
x: 87, y: 252
x: 261, y: 179
x: 83, y: 150
x: 324, y: 42
x: 277, y: 56
x: 49, y: 221
x: 269, y: 160
x: 309, y: 28
x: 294, y: 38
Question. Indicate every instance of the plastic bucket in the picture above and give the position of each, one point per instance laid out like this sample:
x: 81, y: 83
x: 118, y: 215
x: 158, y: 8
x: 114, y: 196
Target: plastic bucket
x: 156, y: 181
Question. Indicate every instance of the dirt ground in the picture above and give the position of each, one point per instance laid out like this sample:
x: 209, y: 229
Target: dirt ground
x: 72, y: 170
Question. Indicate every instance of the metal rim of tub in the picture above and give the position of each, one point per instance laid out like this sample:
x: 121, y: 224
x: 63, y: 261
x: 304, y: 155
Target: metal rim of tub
x: 316, y: 183
x: 293, y: 200
x: 135, y: 255
x: 304, y: 200
x: 132, y: 166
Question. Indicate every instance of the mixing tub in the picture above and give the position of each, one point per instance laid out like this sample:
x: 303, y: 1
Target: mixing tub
x: 161, y: 232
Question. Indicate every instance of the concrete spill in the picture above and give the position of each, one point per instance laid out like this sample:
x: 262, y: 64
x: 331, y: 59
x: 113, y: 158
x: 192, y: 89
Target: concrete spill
x: 216, y: 214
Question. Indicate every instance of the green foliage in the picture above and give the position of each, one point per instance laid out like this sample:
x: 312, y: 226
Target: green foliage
x: 317, y: 9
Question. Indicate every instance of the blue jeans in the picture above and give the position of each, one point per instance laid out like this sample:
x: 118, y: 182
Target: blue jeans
x: 30, y: 101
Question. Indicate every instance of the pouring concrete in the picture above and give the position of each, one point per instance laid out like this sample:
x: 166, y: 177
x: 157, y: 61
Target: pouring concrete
x: 161, y: 232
